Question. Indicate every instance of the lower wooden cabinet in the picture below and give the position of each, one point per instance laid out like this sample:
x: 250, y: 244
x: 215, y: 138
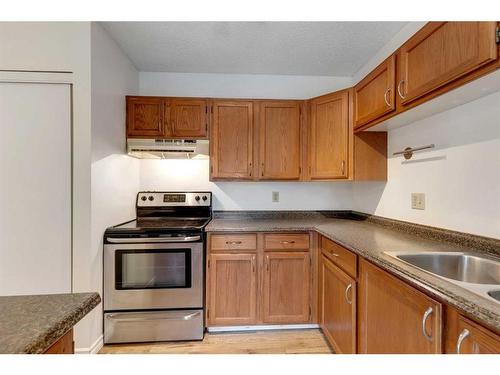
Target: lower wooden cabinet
x: 233, y: 289
x: 253, y: 279
x: 286, y: 287
x: 338, y: 307
x: 64, y: 345
x: 395, y: 317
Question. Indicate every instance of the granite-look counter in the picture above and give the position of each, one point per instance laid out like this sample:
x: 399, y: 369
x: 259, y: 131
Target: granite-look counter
x: 31, y: 324
x: 370, y: 237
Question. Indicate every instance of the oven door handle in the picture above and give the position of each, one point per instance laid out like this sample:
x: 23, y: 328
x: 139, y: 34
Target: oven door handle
x: 141, y: 319
x: 153, y: 240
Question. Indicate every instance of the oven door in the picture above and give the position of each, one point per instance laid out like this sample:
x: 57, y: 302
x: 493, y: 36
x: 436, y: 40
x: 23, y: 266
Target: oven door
x: 160, y: 275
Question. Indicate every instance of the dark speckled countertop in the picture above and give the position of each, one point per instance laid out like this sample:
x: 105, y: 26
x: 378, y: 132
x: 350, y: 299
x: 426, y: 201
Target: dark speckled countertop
x: 371, y: 236
x: 31, y: 324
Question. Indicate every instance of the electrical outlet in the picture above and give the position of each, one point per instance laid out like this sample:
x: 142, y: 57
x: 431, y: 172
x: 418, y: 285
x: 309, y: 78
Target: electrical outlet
x: 276, y: 196
x: 418, y: 201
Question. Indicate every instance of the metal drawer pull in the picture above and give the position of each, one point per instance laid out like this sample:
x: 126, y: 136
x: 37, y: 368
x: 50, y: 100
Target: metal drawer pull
x: 233, y: 242
x: 154, y: 240
x: 385, y: 97
x: 345, y: 294
x: 463, y: 335
x: 334, y: 254
x: 143, y: 319
x: 399, y: 89
x: 287, y: 242
x: 427, y: 313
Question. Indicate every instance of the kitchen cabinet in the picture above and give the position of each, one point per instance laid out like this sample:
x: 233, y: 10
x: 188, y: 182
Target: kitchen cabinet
x: 188, y: 118
x: 231, y: 140
x: 338, y: 307
x: 286, y: 287
x: 394, y: 317
x: 375, y: 96
x: 232, y: 287
x: 145, y: 117
x: 259, y: 278
x: 279, y: 140
x: 463, y: 336
x: 441, y: 52
x: 64, y: 345
x: 329, y: 136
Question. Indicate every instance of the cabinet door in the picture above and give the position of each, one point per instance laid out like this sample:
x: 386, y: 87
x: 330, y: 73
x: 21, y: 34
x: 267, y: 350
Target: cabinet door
x: 441, y: 52
x: 145, y: 117
x: 394, y: 317
x: 233, y: 289
x: 473, y: 339
x: 329, y: 136
x: 374, y: 96
x: 279, y: 140
x: 286, y: 288
x: 338, y: 308
x: 232, y: 140
x: 188, y: 118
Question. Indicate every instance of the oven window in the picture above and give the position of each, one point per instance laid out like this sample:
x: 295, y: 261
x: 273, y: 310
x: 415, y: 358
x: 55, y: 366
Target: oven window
x: 153, y: 269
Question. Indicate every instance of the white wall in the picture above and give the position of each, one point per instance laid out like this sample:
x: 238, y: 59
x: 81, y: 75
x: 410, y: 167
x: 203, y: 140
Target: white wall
x: 115, y: 176
x: 62, y: 47
x: 460, y: 177
x: 253, y: 86
x: 193, y: 174
x: 179, y: 175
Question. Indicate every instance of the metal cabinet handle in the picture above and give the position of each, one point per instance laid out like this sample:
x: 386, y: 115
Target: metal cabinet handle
x: 345, y: 294
x: 334, y: 254
x: 253, y: 264
x: 343, y: 166
x: 267, y: 262
x: 287, y: 242
x: 463, y: 335
x: 427, y: 313
x: 144, y: 319
x: 399, y: 89
x: 385, y: 97
x: 233, y: 242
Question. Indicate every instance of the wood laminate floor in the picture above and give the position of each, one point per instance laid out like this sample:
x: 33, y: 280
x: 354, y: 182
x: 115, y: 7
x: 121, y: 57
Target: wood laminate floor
x: 307, y: 341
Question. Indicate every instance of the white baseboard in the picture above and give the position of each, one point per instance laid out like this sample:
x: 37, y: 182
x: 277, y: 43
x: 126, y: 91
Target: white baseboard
x: 94, y: 348
x: 261, y: 327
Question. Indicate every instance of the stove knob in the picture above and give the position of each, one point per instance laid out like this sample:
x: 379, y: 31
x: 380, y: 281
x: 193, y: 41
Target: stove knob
x: 143, y: 198
x: 151, y: 198
x: 197, y: 198
x: 204, y: 198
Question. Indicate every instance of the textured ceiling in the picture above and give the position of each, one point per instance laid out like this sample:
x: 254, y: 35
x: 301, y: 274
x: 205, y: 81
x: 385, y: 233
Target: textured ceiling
x: 296, y: 48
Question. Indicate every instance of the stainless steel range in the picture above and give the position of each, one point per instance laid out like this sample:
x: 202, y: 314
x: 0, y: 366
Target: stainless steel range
x: 153, y: 270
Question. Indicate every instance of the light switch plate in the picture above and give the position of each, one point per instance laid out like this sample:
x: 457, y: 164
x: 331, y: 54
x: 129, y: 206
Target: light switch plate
x: 276, y: 196
x: 418, y: 201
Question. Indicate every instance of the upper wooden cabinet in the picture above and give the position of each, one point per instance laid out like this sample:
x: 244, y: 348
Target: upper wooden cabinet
x: 279, y: 140
x: 442, y: 52
x: 232, y: 140
x: 286, y: 287
x: 145, y: 117
x: 374, y: 96
x: 188, y: 118
x: 158, y: 117
x: 329, y: 137
x: 395, y: 318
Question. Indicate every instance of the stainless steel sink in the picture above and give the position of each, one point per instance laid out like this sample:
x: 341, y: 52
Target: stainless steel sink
x: 476, y: 272
x: 495, y: 294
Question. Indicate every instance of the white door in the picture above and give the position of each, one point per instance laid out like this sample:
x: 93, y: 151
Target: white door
x: 35, y: 188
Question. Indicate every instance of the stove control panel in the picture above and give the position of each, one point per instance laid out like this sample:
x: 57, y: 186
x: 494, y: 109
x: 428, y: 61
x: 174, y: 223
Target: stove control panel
x: 162, y: 199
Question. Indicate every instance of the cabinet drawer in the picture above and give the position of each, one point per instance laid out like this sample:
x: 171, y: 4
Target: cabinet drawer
x: 221, y: 242
x: 343, y: 258
x: 291, y: 241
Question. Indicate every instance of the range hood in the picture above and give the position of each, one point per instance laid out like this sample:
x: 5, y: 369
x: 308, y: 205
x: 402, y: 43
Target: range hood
x: 167, y: 148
